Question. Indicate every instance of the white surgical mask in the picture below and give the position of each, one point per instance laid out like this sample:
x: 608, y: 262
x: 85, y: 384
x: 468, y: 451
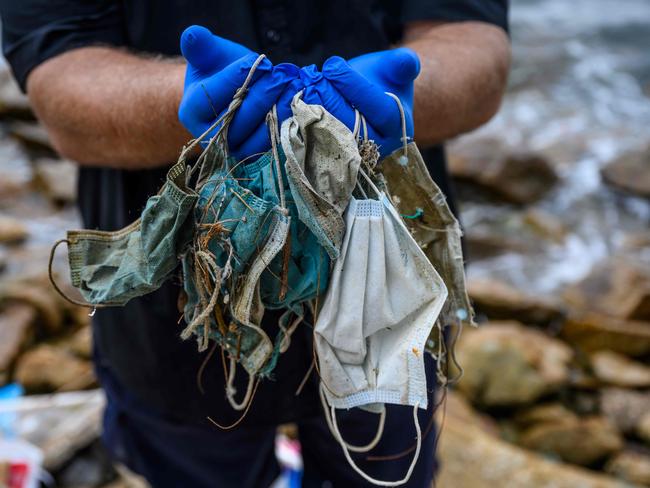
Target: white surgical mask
x: 383, y: 300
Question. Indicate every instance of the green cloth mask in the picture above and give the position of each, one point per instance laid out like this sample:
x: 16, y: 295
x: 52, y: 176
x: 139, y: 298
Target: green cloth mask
x: 111, y: 268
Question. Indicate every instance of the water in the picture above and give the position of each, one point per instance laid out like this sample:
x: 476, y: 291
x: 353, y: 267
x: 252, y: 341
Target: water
x: 579, y: 92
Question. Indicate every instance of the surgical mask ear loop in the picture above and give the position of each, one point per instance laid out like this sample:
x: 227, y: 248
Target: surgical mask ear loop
x: 368, y: 447
x: 405, y: 138
x: 346, y: 450
x: 60, y: 291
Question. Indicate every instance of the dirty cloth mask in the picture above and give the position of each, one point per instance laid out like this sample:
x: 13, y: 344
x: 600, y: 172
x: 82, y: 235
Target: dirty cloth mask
x: 111, y: 268
x: 322, y: 162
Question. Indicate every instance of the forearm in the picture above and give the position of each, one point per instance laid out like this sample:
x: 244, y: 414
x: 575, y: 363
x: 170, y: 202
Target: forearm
x: 464, y: 69
x: 103, y: 106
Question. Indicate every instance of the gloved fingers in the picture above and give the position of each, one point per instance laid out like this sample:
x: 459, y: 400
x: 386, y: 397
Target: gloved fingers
x: 284, y: 101
x: 207, y: 53
x: 203, y: 99
x: 258, y: 142
x: 396, y: 67
x: 379, y: 109
x: 259, y: 100
x: 323, y: 93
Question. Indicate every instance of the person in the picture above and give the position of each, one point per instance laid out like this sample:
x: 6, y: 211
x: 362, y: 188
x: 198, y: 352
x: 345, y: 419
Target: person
x: 106, y: 81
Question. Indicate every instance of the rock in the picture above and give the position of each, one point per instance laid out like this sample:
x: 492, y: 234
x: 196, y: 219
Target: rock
x: 498, y: 300
x: 516, y: 177
x: 58, y: 179
x: 32, y: 134
x: 48, y: 368
x: 507, y: 364
x: 576, y: 440
x: 615, y: 369
x: 624, y: 408
x: 16, y: 331
x: 13, y: 102
x: 547, y: 413
x: 80, y: 343
x: 618, y: 287
x: 12, y: 231
x: 630, y: 173
x: 482, y: 245
x: 593, y: 332
x: 473, y: 458
x: 546, y: 225
x: 643, y: 428
x: 630, y: 466
x: 40, y: 296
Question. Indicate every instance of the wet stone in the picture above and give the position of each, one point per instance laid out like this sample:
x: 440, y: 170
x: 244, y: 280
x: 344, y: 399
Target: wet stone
x: 507, y: 364
x: 12, y: 231
x: 513, y: 176
x: 630, y: 466
x: 616, y: 369
x: 16, y: 331
x: 630, y: 173
x: 48, y: 368
x: 582, y: 441
x: 498, y: 301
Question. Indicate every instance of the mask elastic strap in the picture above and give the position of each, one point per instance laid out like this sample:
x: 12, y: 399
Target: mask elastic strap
x: 231, y: 390
x: 405, y: 138
x: 207, y: 310
x: 372, y: 444
x: 226, y: 118
x: 60, y: 291
x: 274, y: 134
x: 369, y: 479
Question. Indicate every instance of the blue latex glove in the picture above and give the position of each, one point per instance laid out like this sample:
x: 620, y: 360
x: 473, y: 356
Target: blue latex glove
x: 216, y: 68
x: 363, y: 81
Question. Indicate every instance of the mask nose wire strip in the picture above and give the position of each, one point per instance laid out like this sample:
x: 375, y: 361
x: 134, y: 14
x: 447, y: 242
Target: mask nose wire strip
x: 403, y: 117
x: 59, y: 290
x: 369, y: 479
x: 372, y: 444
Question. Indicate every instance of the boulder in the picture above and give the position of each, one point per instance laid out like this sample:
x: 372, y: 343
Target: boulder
x: 499, y: 301
x: 16, y: 331
x: 12, y: 231
x: 555, y: 413
x: 13, y: 102
x: 618, y: 287
x: 80, y: 343
x: 32, y: 134
x: 50, y: 368
x: 507, y: 364
x: 58, y: 179
x: 630, y: 173
x: 624, y: 408
x: 40, y: 296
x: 470, y: 457
x: 593, y: 332
x: 630, y: 466
x: 582, y: 441
x: 615, y: 369
x: 643, y: 428
x: 515, y: 177
x: 546, y: 225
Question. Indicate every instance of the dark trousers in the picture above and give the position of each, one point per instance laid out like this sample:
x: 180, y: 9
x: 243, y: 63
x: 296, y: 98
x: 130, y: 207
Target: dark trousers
x: 169, y: 453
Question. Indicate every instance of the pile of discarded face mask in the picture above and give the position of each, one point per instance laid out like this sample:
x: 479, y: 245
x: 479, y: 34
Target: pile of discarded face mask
x: 315, y: 227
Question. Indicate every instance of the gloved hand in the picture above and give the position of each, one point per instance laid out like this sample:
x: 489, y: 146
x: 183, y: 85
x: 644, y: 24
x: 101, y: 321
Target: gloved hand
x: 216, y: 68
x: 363, y: 81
